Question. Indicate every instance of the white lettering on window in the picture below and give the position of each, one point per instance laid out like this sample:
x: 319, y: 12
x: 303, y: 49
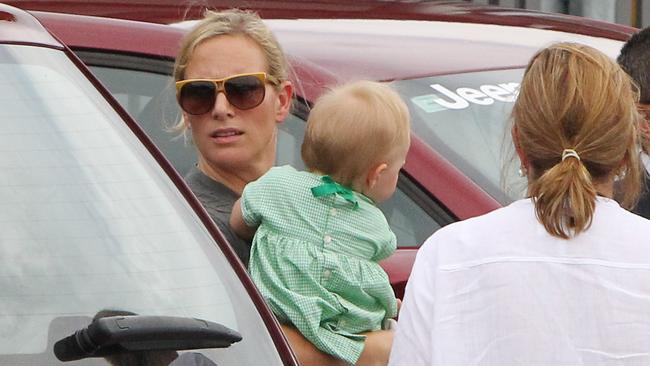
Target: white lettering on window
x: 474, y: 96
x: 498, y: 93
x: 462, y: 98
x: 458, y: 102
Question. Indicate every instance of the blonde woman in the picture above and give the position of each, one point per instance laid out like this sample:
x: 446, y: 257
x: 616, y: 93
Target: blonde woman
x: 318, y: 234
x: 232, y: 85
x: 563, y: 276
x: 233, y: 89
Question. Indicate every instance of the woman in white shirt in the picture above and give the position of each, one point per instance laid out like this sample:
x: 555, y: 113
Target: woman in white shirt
x: 563, y: 276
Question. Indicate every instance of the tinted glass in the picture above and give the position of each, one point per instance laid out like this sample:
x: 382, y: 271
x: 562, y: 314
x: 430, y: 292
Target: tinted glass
x: 89, y: 221
x: 465, y: 118
x: 150, y: 99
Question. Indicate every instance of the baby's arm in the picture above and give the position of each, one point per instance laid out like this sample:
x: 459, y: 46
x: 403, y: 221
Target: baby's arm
x: 238, y: 224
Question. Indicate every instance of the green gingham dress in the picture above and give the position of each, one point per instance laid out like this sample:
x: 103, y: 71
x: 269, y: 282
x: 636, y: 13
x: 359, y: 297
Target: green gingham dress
x: 315, y: 259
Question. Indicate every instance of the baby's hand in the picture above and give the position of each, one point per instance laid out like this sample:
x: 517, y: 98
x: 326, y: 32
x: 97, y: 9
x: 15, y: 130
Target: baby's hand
x: 237, y: 223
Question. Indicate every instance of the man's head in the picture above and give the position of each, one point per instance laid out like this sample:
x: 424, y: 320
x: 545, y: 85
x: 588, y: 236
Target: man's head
x: 635, y: 60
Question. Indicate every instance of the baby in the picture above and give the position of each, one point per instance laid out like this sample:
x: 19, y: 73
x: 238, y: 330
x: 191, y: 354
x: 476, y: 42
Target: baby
x: 318, y: 234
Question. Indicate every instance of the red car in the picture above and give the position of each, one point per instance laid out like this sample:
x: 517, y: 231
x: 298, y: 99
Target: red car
x: 95, y: 223
x: 457, y: 65
x: 82, y: 182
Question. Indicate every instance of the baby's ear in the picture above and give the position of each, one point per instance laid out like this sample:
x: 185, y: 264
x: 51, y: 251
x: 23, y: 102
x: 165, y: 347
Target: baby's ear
x: 374, y: 173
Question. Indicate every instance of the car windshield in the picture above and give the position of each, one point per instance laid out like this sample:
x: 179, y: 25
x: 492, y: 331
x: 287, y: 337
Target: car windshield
x: 89, y: 221
x: 465, y: 118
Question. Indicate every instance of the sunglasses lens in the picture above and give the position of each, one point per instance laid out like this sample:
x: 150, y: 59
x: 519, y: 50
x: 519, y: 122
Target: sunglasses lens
x: 197, y: 97
x: 245, y: 92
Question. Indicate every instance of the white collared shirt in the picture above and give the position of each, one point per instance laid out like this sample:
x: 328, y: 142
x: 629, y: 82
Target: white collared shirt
x: 498, y: 290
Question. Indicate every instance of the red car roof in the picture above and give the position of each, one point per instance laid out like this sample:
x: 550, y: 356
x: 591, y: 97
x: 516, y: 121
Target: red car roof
x: 168, y: 11
x: 404, y: 49
x: 336, y: 50
x: 88, y: 32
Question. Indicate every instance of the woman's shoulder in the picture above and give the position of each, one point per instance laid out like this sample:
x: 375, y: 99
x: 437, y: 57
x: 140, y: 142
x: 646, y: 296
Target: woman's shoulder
x: 609, y: 214
x: 467, y: 235
x: 517, y: 225
x: 516, y: 213
x: 519, y: 218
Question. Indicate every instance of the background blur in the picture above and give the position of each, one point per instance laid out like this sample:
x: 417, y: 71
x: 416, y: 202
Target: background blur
x: 629, y: 12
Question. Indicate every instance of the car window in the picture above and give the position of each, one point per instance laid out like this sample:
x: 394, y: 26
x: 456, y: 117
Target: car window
x: 413, y: 217
x: 133, y: 88
x: 89, y: 221
x: 149, y: 98
x: 465, y: 117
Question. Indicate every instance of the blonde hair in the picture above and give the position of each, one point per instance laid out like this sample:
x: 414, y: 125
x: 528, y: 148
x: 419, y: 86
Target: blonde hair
x: 353, y: 127
x: 574, y: 97
x: 232, y: 22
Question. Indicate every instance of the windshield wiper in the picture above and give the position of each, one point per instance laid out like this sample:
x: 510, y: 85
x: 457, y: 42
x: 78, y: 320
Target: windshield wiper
x: 135, y: 333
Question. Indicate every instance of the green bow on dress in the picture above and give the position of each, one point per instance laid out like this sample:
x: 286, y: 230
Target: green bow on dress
x: 330, y: 187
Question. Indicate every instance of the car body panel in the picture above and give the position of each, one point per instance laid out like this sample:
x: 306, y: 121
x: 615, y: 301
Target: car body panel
x: 396, y: 50
x: 128, y: 37
x: 169, y: 11
x: 20, y: 27
x: 345, y: 49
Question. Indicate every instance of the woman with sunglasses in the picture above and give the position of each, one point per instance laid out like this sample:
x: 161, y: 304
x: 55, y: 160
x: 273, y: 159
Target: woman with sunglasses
x: 233, y: 88
x: 561, y: 277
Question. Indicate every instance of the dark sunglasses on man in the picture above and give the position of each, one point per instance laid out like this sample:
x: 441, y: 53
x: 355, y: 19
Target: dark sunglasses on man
x: 243, y: 91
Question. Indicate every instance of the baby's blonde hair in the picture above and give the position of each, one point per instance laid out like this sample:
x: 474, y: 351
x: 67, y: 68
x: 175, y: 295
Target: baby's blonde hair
x: 353, y: 127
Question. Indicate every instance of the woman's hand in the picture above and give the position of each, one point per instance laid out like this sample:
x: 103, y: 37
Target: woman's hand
x: 307, y: 353
x: 377, y: 349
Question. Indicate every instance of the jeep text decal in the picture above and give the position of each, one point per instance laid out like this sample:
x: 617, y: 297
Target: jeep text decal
x: 462, y: 98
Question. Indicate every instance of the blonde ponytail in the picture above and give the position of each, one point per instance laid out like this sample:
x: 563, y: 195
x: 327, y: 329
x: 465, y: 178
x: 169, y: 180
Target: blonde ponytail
x: 564, y: 198
x: 576, y: 127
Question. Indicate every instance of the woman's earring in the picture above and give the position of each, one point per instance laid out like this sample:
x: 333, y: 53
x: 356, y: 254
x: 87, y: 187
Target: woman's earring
x: 522, y: 171
x: 620, y: 175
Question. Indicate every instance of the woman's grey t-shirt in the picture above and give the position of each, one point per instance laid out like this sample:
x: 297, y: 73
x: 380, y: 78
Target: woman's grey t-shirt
x: 217, y: 199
